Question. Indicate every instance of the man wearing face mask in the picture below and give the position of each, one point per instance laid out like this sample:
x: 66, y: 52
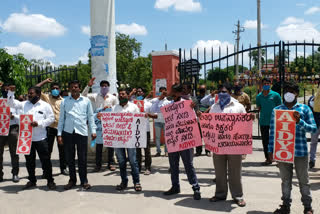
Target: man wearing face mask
x: 186, y: 156
x: 54, y: 99
x: 4, y: 89
x: 42, y: 118
x: 266, y: 101
x: 101, y: 100
x: 228, y: 164
x: 304, y: 123
x: 241, y: 96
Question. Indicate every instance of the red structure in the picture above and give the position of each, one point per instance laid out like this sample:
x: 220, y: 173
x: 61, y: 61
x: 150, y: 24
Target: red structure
x: 164, y: 69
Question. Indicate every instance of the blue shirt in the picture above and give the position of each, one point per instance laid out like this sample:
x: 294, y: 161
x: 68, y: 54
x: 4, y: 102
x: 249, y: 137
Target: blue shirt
x: 74, y: 115
x: 306, y: 124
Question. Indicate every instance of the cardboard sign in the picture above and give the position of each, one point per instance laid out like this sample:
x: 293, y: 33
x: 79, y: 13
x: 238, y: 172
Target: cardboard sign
x: 124, y: 130
x: 140, y: 104
x: 25, y: 134
x: 284, y: 136
x: 227, y: 133
x: 181, y: 126
x: 4, y: 118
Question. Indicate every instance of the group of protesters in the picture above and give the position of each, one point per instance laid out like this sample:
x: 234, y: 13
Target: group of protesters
x: 74, y: 118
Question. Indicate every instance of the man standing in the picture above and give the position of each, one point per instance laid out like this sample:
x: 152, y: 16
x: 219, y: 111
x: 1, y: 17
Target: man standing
x: 75, y: 113
x: 54, y: 99
x: 125, y: 106
x: 241, y: 96
x: 266, y: 101
x: 186, y: 156
x: 304, y: 123
x: 11, y: 140
x: 228, y: 164
x: 42, y: 118
x: 101, y: 100
x: 157, y: 103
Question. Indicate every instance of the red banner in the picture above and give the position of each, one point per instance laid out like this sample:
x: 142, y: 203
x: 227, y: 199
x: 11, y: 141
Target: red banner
x: 4, y: 118
x: 284, y: 136
x: 25, y: 134
x: 140, y: 104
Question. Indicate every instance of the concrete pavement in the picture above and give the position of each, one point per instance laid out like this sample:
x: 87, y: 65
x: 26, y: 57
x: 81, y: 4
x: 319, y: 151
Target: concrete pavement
x: 261, y: 186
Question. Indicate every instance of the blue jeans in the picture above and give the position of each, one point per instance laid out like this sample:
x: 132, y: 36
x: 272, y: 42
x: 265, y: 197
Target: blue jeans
x: 187, y: 159
x: 158, y: 127
x: 286, y: 174
x: 314, y: 144
x: 122, y: 159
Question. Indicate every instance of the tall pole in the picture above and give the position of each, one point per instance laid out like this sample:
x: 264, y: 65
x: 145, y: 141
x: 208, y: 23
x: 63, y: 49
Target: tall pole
x: 237, y: 32
x: 259, y: 35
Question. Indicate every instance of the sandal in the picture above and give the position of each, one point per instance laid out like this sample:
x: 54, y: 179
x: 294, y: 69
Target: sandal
x: 240, y: 202
x: 137, y: 187
x: 112, y: 168
x: 215, y: 199
x: 121, y: 186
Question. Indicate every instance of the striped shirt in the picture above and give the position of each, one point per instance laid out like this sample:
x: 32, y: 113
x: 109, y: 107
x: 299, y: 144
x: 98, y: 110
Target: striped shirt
x: 306, y: 124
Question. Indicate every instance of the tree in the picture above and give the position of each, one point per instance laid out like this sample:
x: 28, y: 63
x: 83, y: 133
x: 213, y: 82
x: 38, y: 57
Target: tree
x: 223, y: 75
x: 13, y: 70
x: 254, y: 57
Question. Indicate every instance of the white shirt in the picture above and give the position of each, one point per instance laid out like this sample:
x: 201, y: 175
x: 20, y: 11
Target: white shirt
x: 41, y: 111
x: 155, y: 108
x: 232, y: 107
x: 15, y: 113
x: 128, y: 108
x: 147, y: 108
x: 98, y: 101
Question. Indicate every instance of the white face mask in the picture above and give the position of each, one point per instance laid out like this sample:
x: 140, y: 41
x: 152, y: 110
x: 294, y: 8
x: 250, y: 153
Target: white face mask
x: 289, y: 97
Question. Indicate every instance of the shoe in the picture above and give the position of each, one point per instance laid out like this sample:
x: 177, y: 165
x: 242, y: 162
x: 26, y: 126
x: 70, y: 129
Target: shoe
x: 166, y: 154
x: 112, y: 168
x: 266, y: 163
x: 158, y: 154
x: 240, y: 202
x: 196, y: 193
x: 64, y: 172
x: 215, y: 199
x: 308, y: 211
x: 311, y: 164
x: 172, y: 191
x: 147, y: 172
x: 137, y: 187
x: 29, y: 185
x: 51, y: 185
x: 86, y: 186
x: 70, y: 185
x: 121, y: 186
x: 284, y: 209
x: 96, y: 169
x: 15, y: 178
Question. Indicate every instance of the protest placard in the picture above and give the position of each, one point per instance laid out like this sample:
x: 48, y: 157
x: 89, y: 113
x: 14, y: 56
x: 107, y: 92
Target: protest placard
x: 181, y: 126
x: 4, y: 118
x: 140, y: 104
x: 124, y: 130
x: 284, y: 136
x: 227, y: 133
x: 25, y: 134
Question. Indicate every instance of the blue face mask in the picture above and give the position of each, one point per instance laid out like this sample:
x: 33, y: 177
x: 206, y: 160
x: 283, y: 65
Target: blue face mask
x: 266, y: 87
x: 224, y: 99
x: 140, y: 98
x: 55, y: 92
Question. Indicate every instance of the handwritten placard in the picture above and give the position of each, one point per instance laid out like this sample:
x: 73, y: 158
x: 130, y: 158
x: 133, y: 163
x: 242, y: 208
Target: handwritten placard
x: 124, y: 130
x: 25, y: 134
x: 284, y: 136
x: 4, y: 118
x: 227, y: 133
x: 181, y: 126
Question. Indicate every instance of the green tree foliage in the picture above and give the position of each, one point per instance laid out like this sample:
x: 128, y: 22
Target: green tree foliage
x: 254, y: 57
x: 224, y: 74
x: 13, y: 70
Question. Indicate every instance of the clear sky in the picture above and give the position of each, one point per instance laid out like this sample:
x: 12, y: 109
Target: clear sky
x: 58, y: 31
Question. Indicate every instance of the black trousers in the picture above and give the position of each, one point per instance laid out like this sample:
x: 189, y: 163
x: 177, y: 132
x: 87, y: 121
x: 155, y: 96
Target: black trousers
x: 199, y: 148
x: 11, y: 140
x: 70, y: 142
x: 265, y: 139
x: 51, y: 136
x: 41, y: 147
x: 147, y: 154
x: 110, y: 151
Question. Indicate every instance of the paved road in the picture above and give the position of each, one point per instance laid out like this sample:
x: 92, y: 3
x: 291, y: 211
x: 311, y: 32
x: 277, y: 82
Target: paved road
x: 261, y: 189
